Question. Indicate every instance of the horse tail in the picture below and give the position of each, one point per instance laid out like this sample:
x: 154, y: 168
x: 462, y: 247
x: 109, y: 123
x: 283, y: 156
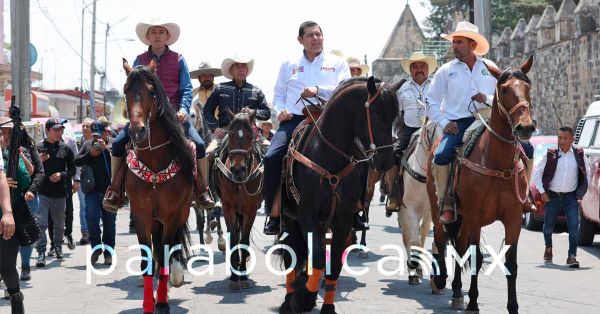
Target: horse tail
x: 182, y: 236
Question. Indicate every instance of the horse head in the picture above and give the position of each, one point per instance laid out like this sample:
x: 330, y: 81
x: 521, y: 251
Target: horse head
x: 512, y: 98
x: 374, y: 125
x: 142, y: 92
x: 240, y: 144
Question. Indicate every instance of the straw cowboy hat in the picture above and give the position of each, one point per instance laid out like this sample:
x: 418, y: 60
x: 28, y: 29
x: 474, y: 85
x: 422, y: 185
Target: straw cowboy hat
x: 418, y: 56
x: 228, y: 62
x: 205, y: 68
x: 468, y: 30
x: 142, y: 29
x: 337, y: 52
x: 355, y: 63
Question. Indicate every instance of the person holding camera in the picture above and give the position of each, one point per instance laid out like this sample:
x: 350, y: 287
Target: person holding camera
x: 94, y: 155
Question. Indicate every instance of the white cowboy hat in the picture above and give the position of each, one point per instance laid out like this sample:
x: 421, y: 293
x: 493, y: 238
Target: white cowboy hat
x: 418, y: 56
x: 228, y: 62
x: 205, y: 68
x: 142, y: 29
x: 337, y: 52
x: 468, y: 30
x: 355, y: 63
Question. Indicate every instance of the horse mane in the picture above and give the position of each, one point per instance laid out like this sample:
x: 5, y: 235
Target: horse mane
x: 349, y: 82
x: 509, y: 73
x: 167, y: 117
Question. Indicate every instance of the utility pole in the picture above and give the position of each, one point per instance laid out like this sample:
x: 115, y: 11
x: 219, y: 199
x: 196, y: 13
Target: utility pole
x: 483, y: 18
x: 93, y: 63
x: 105, y: 65
x: 80, y: 116
x: 20, y: 57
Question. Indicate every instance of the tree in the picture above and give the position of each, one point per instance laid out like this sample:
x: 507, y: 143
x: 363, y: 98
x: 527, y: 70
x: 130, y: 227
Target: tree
x: 504, y: 13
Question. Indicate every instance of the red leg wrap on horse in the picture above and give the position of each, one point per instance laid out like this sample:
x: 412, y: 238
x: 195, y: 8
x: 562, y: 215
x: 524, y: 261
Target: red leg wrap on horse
x: 329, y: 291
x: 289, y: 282
x: 148, y: 304
x: 313, y: 280
x: 163, y: 285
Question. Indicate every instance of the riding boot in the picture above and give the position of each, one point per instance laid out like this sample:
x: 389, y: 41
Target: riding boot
x: 112, y: 199
x: 16, y: 303
x: 529, y: 205
x: 203, y: 198
x: 445, y: 202
x: 393, y: 203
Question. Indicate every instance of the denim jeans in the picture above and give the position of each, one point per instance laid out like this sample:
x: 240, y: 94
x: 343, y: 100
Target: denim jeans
x: 95, y: 213
x: 26, y: 251
x: 446, y: 151
x: 82, y: 219
x: 570, y: 206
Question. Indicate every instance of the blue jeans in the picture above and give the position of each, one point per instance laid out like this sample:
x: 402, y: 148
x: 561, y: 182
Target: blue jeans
x: 26, y: 251
x: 570, y: 206
x: 446, y: 151
x: 118, y: 146
x: 274, y: 158
x: 95, y: 213
x: 82, y: 219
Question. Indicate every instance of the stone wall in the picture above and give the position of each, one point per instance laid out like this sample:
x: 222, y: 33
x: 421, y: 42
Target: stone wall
x: 566, y: 72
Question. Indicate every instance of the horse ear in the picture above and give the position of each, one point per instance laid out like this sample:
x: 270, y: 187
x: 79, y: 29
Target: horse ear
x: 493, y: 70
x: 152, y: 65
x: 371, y: 86
x: 397, y: 86
x: 526, y: 66
x: 126, y: 67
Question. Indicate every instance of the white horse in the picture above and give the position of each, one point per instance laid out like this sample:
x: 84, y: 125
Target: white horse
x: 414, y: 217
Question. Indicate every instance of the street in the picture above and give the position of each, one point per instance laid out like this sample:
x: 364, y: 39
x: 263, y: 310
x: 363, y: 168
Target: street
x: 62, y: 288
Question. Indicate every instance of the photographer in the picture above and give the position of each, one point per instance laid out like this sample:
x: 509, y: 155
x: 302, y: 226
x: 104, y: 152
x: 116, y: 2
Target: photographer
x: 95, y: 155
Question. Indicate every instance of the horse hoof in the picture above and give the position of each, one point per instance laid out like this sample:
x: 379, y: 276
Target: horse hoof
x: 245, y: 284
x: 286, y: 306
x: 221, y: 244
x: 161, y: 308
x: 458, y: 303
x: 176, y: 274
x: 140, y: 281
x: 234, y: 285
x: 363, y: 254
x: 208, y: 238
x: 434, y: 287
x: 328, y: 309
x: 303, y: 300
x: 414, y: 280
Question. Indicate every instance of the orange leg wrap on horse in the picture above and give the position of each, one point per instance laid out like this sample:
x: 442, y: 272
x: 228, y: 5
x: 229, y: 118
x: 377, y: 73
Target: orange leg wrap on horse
x: 329, y: 291
x: 313, y: 280
x: 289, y: 282
x: 148, y: 304
x: 163, y: 285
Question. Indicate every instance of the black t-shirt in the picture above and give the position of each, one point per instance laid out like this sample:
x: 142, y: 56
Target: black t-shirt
x: 61, y: 160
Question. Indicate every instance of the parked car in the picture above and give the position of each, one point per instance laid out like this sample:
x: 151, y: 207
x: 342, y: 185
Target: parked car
x: 587, y: 136
x: 535, y: 221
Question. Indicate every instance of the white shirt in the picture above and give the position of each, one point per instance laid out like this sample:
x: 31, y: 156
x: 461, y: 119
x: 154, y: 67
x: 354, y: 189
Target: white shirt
x: 326, y: 71
x: 566, y: 176
x: 1, y: 164
x: 452, y: 87
x: 407, y: 99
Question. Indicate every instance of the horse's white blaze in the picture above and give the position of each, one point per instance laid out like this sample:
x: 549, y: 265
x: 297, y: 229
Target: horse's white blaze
x: 240, y: 133
x: 176, y: 273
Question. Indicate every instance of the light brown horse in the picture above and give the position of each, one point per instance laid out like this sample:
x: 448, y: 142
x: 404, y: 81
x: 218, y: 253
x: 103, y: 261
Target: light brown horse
x: 159, y: 200
x: 492, y: 186
x: 238, y: 174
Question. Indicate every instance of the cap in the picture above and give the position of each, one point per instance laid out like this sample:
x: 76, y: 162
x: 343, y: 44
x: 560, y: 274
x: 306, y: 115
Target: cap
x: 55, y: 123
x: 98, y: 128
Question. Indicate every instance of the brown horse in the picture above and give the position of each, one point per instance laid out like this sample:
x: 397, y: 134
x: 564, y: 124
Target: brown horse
x: 159, y: 182
x: 238, y: 173
x: 492, y: 185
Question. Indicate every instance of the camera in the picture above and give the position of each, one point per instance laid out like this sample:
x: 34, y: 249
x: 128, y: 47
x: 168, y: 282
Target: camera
x: 96, y: 144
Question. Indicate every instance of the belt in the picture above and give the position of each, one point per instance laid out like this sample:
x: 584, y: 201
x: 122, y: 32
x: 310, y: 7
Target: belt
x: 560, y: 194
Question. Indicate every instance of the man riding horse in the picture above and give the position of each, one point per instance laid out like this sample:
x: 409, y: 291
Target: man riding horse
x: 172, y: 70
x: 233, y: 97
x: 412, y: 113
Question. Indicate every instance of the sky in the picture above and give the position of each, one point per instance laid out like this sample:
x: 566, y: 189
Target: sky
x: 210, y: 31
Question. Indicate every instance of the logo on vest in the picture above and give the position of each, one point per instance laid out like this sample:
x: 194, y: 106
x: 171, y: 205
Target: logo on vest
x: 326, y: 69
x: 299, y: 69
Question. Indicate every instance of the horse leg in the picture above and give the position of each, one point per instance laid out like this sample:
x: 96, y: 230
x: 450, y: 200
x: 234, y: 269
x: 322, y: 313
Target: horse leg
x: 200, y: 221
x: 425, y: 227
x: 144, y: 235
x: 233, y: 231
x: 438, y: 280
x: 208, y: 238
x: 296, y: 242
x: 408, y: 222
x: 305, y: 297
x: 473, y: 307
x: 340, y: 231
x: 363, y: 233
x: 512, y: 232
x: 163, y: 273
x: 221, y: 239
x: 247, y: 223
x: 458, y: 300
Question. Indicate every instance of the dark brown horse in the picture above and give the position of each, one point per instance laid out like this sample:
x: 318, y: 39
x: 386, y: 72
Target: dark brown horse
x: 492, y: 185
x: 358, y: 118
x: 238, y: 173
x: 159, y: 182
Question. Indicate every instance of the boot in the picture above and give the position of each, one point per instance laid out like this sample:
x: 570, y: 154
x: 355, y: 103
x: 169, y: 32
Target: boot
x: 113, y: 200
x: 59, y: 253
x: 529, y: 205
x: 16, y: 303
x: 25, y: 273
x: 445, y: 202
x: 203, y: 198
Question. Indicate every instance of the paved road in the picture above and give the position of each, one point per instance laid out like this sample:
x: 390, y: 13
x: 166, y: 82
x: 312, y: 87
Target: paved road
x: 62, y: 288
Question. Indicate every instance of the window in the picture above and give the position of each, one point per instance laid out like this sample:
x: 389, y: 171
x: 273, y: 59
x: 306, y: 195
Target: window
x: 586, y: 133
